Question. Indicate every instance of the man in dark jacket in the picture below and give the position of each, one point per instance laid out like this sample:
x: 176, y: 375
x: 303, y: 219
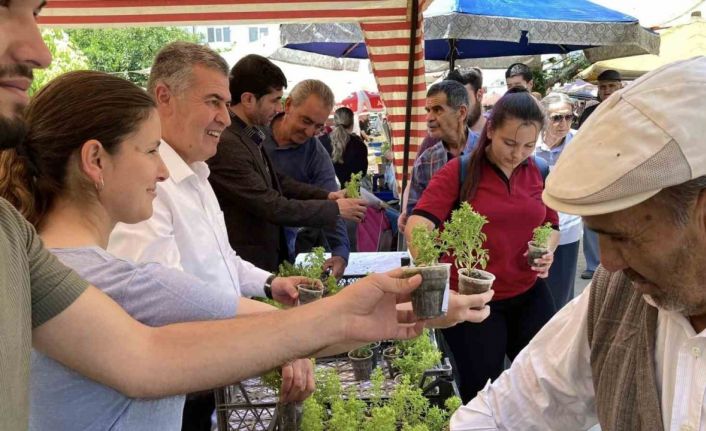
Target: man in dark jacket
x: 257, y: 201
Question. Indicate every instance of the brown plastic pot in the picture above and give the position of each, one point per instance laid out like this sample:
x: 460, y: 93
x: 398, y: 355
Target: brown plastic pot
x: 428, y: 298
x: 478, y: 281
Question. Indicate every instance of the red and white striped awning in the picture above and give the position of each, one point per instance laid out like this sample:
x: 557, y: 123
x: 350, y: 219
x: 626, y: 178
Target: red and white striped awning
x: 106, y: 13
x: 386, y: 25
x: 389, y: 52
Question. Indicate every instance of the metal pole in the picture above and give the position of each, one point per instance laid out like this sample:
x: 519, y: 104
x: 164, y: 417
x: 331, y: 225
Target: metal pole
x: 408, y: 112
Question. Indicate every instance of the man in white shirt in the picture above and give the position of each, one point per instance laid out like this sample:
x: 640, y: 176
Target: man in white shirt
x: 630, y: 352
x: 187, y: 231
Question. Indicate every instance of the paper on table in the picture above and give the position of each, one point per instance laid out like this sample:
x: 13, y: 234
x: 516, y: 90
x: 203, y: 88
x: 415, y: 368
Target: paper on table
x: 361, y: 263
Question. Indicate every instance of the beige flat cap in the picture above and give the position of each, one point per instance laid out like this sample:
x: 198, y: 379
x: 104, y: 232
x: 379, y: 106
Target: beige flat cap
x: 643, y: 138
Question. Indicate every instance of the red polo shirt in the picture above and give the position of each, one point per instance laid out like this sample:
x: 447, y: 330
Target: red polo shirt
x: 513, y: 207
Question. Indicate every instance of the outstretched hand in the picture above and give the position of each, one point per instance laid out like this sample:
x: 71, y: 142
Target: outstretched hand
x: 464, y: 308
x: 369, y: 308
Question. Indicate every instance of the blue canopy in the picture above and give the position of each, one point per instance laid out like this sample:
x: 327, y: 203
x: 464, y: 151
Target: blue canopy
x: 456, y: 29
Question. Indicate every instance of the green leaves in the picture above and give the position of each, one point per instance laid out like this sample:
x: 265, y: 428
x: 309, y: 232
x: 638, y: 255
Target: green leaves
x: 353, y: 186
x: 463, y: 237
x: 427, y: 246
x: 541, y: 235
x: 128, y: 52
x: 312, y: 267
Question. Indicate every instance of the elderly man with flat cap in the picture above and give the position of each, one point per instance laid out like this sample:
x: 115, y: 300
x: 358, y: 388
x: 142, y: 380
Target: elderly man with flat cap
x: 630, y: 351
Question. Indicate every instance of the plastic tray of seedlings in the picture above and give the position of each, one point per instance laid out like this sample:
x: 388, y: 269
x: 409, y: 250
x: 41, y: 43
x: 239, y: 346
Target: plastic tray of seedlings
x: 251, y: 404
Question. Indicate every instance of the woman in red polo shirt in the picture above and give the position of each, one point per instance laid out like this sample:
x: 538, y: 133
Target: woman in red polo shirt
x: 504, y: 184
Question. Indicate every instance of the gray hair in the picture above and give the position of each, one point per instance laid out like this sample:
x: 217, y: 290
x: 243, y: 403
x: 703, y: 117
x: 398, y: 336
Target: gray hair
x: 307, y: 87
x: 343, y: 120
x: 553, y: 98
x: 678, y: 199
x: 174, y: 63
x: 456, y: 94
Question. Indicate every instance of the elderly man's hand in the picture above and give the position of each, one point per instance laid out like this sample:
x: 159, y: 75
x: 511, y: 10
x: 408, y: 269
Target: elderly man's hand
x: 463, y: 308
x: 351, y: 209
x: 334, y: 196
x: 297, y: 381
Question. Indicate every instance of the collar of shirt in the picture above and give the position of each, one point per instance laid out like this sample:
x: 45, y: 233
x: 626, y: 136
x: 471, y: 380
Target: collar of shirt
x: 252, y: 132
x: 469, y: 143
x: 179, y: 170
x: 542, y: 146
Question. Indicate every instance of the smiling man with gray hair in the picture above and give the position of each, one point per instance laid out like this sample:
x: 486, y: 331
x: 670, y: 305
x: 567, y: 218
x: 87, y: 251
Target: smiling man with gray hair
x: 629, y: 353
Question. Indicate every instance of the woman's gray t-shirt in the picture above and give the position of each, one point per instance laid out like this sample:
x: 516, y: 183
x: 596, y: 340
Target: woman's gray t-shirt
x: 62, y: 399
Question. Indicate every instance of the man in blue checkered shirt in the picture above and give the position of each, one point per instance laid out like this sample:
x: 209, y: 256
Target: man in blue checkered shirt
x: 447, y: 109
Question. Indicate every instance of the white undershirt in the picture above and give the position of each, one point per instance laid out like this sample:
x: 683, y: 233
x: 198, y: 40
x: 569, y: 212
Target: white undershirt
x: 550, y: 387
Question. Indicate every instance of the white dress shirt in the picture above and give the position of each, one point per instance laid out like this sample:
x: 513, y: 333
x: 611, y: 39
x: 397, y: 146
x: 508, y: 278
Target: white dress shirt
x: 550, y: 387
x: 187, y: 231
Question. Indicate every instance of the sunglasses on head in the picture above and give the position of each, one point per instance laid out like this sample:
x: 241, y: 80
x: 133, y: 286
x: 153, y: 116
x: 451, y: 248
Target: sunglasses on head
x: 558, y: 117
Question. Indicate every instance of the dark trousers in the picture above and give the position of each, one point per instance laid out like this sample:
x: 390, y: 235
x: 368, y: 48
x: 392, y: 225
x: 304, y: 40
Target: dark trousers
x: 198, y: 409
x: 562, y: 274
x: 478, y: 349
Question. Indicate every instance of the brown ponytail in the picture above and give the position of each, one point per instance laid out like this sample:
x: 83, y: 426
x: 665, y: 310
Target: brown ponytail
x: 517, y: 103
x: 69, y: 111
x: 16, y: 183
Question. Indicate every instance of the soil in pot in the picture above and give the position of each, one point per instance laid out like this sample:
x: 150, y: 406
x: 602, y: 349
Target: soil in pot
x: 535, y: 252
x: 478, y: 281
x: 289, y: 416
x: 428, y: 298
x: 389, y: 355
x: 362, y: 362
x: 309, y: 293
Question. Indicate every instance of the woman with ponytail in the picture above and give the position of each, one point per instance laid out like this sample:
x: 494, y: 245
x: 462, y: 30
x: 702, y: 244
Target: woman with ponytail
x: 90, y: 160
x: 503, y: 183
x: 348, y: 151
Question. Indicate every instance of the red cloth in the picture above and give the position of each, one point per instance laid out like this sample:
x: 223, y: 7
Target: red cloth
x: 513, y: 208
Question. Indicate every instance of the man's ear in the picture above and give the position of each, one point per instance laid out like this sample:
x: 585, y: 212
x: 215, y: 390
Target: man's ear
x: 287, y: 104
x: 530, y: 85
x: 463, y: 112
x: 91, y: 162
x: 162, y: 94
x: 248, y: 99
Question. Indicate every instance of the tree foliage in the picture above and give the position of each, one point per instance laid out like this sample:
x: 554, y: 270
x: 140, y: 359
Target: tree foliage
x: 126, y: 51
x: 65, y: 58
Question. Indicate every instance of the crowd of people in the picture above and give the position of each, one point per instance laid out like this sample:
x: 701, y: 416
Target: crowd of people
x: 165, y: 211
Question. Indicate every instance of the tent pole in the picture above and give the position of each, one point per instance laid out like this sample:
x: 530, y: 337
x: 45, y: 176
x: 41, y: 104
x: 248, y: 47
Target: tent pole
x: 452, y: 54
x: 410, y: 91
x: 408, y: 111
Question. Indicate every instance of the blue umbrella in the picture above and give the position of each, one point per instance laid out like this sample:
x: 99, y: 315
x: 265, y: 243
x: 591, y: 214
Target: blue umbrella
x: 457, y: 29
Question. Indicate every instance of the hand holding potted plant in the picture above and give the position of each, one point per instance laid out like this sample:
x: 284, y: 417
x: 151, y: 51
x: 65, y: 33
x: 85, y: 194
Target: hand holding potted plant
x: 464, y: 239
x: 428, y: 298
x: 539, y: 246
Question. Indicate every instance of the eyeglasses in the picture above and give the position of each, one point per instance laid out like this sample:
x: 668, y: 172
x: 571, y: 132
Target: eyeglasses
x: 558, y: 117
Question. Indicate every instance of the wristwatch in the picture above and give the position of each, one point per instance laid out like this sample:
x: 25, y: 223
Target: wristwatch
x: 268, y: 285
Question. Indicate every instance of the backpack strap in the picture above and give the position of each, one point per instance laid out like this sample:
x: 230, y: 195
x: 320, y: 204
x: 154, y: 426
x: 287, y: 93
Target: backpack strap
x: 463, y: 171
